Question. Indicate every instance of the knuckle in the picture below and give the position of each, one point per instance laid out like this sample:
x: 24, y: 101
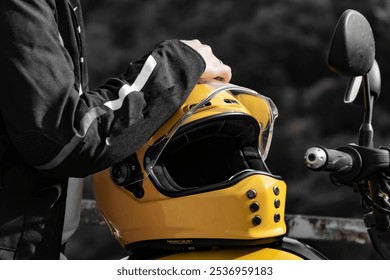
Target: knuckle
x: 207, y: 48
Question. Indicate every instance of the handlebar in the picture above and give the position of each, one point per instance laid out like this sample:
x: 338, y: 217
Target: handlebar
x: 357, y: 166
x: 348, y: 164
x: 322, y: 159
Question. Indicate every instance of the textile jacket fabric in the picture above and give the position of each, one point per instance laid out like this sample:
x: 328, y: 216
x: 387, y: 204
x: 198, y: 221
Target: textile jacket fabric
x: 53, y: 127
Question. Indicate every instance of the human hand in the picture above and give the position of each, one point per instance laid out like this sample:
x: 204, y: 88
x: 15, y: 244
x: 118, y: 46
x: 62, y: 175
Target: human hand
x: 215, y: 68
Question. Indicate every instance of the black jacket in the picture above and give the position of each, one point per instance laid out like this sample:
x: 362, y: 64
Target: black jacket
x: 53, y: 127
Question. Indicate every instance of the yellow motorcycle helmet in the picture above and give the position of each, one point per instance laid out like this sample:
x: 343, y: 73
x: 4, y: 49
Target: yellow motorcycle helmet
x: 200, y: 180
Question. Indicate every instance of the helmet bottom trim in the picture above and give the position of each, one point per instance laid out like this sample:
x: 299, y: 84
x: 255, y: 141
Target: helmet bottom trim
x: 152, y: 249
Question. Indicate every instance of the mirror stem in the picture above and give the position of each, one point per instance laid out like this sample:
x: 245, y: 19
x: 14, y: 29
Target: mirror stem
x: 366, y: 134
x: 366, y: 131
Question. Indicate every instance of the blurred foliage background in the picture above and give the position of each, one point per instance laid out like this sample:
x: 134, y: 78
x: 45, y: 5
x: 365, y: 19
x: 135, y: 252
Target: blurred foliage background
x: 278, y: 48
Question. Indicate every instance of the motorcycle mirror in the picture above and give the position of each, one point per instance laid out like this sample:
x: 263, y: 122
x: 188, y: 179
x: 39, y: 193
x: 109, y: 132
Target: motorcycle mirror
x: 374, y: 77
x: 352, y: 50
x: 353, y: 89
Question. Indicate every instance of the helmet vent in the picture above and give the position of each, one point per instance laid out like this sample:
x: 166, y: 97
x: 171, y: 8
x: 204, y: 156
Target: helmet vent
x: 205, y: 105
x: 231, y: 101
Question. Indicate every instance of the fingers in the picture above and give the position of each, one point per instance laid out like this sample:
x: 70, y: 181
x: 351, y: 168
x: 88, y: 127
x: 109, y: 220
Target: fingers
x: 215, y: 68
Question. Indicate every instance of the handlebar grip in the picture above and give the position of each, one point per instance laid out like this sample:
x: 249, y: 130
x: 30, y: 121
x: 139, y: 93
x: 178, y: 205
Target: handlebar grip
x: 322, y: 159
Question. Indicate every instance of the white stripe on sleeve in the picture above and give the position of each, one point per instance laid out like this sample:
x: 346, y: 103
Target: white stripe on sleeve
x: 138, y: 84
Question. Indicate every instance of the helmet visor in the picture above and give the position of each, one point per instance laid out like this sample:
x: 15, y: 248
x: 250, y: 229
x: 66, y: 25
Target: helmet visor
x: 247, y: 101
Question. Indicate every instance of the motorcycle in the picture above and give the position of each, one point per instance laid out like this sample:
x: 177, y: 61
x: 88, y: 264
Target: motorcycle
x: 360, y: 166
x: 200, y: 188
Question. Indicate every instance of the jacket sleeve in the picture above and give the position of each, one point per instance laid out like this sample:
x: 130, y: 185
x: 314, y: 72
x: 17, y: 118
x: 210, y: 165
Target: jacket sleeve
x: 63, y: 133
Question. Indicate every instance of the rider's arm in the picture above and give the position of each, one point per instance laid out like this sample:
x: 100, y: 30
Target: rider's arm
x: 66, y: 134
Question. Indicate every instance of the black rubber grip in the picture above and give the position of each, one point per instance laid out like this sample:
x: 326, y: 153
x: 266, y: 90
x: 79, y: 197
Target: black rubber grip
x: 322, y: 159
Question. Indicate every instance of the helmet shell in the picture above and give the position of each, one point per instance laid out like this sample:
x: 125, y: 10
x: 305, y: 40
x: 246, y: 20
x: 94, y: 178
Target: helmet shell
x: 154, y: 210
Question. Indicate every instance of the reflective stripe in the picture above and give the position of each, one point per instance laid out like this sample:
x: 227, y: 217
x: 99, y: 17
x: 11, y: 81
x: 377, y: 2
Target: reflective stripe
x: 61, y: 40
x: 138, y: 84
x: 92, y: 114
